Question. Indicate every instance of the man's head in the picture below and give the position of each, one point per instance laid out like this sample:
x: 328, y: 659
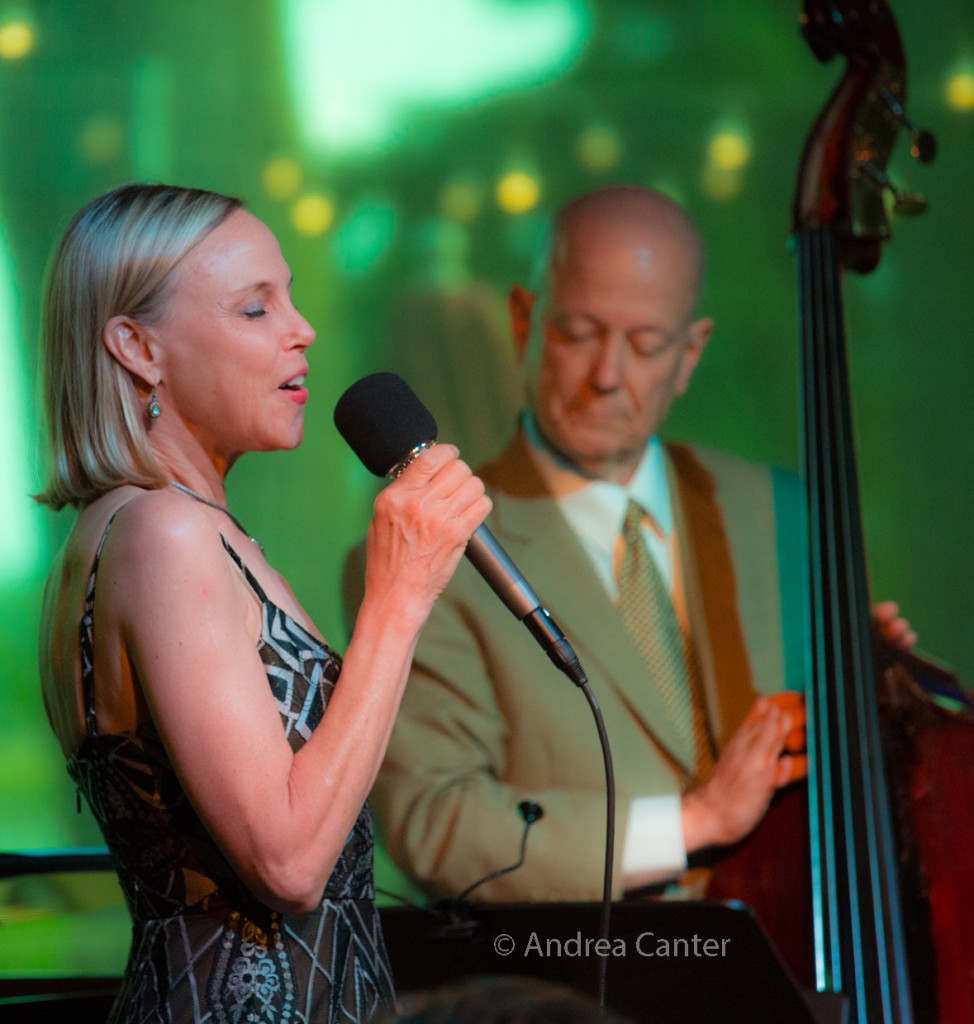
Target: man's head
x: 611, y: 337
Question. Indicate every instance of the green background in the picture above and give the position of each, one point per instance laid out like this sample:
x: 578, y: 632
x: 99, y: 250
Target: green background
x: 404, y: 117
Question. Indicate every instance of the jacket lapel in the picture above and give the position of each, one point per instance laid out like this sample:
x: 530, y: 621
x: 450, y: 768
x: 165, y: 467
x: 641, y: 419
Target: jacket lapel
x: 529, y: 524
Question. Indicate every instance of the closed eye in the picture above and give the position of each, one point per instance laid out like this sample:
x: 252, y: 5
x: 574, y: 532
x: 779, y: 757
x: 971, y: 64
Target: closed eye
x: 577, y: 328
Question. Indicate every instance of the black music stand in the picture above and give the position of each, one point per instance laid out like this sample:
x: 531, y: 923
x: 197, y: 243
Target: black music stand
x: 668, y: 963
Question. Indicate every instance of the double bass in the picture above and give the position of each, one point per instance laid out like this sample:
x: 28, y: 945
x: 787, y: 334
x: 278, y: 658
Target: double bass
x: 862, y: 878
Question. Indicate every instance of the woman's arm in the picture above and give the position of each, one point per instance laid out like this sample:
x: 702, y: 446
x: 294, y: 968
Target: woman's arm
x: 281, y: 818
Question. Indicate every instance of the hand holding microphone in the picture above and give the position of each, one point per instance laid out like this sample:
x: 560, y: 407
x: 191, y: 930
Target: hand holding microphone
x: 421, y: 526
x: 388, y: 427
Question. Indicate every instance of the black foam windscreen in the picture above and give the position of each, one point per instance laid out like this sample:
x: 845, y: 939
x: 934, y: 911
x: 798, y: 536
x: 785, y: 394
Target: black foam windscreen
x: 383, y: 421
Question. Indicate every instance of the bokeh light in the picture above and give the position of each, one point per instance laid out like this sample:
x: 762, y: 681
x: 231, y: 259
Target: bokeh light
x: 599, y: 148
x: 17, y: 40
x: 729, y: 150
x: 728, y: 153
x: 312, y: 215
x: 960, y: 91
x: 282, y: 178
x: 518, y: 192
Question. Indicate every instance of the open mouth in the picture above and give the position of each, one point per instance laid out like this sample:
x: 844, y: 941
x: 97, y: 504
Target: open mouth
x: 294, y: 384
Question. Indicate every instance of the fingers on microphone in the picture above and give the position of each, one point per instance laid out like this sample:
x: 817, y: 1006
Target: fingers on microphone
x: 477, y: 511
x: 438, y: 472
x: 437, y: 491
x: 427, y: 464
x: 454, y: 483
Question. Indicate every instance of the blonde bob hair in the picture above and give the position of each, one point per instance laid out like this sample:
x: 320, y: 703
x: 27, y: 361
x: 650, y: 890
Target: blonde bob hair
x: 117, y: 258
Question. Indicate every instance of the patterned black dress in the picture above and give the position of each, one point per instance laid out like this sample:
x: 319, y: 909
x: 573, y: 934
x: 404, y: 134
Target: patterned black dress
x: 204, y: 949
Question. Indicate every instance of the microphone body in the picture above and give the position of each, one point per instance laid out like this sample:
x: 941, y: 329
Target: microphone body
x: 388, y: 427
x: 496, y: 567
x: 494, y: 564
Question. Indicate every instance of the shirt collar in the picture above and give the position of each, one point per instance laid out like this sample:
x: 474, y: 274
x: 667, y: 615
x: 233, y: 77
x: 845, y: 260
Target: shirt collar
x: 595, y: 509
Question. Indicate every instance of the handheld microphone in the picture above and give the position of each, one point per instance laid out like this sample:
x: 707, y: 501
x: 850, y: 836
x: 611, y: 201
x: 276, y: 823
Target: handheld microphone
x: 387, y: 427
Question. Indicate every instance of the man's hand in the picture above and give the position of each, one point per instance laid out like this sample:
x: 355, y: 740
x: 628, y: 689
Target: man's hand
x: 765, y: 753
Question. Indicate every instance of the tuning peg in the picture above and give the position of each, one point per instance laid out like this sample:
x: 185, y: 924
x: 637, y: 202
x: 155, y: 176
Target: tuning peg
x: 907, y: 204
x: 923, y: 144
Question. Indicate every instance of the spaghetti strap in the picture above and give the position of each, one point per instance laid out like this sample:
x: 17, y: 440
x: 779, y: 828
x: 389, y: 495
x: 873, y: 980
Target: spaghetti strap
x: 85, y: 636
x: 247, y: 574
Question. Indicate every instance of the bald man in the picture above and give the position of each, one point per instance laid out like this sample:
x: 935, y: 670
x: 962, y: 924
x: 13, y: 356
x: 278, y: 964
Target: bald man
x: 608, y: 340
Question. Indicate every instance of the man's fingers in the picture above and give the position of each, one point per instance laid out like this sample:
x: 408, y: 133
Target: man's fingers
x: 893, y: 627
x: 791, y: 768
x: 794, y: 705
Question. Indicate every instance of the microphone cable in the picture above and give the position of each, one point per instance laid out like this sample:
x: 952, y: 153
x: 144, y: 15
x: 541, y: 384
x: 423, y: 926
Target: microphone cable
x: 530, y: 812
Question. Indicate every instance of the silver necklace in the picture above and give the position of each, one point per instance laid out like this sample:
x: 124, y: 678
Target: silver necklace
x: 220, y: 508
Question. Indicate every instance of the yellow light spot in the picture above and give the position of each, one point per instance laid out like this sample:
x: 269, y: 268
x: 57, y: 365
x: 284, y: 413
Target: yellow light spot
x: 100, y: 141
x: 16, y: 40
x: 518, y: 192
x: 312, y: 215
x: 599, y: 148
x: 461, y: 202
x: 729, y: 151
x: 960, y: 91
x: 282, y: 178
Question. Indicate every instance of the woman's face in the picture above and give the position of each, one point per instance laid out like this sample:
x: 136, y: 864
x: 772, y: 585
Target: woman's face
x: 232, y: 345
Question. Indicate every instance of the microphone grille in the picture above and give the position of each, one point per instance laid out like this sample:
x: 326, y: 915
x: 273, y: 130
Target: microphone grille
x: 382, y: 421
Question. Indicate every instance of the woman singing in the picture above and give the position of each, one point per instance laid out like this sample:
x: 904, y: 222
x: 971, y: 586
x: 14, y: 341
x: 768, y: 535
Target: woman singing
x: 224, y: 748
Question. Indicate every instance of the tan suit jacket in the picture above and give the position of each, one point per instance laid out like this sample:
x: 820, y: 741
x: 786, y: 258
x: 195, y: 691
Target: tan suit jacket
x: 487, y: 720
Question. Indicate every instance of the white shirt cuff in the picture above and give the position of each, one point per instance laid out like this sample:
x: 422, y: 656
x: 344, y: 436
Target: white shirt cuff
x: 654, y: 850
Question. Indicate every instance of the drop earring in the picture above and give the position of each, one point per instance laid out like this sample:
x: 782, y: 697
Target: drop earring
x: 153, y: 409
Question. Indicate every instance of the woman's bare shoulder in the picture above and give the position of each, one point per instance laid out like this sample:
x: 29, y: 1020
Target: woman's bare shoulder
x: 159, y: 545
x: 160, y: 515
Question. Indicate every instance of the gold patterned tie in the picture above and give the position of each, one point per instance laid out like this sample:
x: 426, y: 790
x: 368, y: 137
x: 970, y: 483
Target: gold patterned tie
x: 648, y: 613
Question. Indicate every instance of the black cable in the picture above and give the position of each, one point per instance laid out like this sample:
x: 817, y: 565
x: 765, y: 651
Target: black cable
x: 530, y: 812
x: 610, y: 831
x: 573, y: 669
